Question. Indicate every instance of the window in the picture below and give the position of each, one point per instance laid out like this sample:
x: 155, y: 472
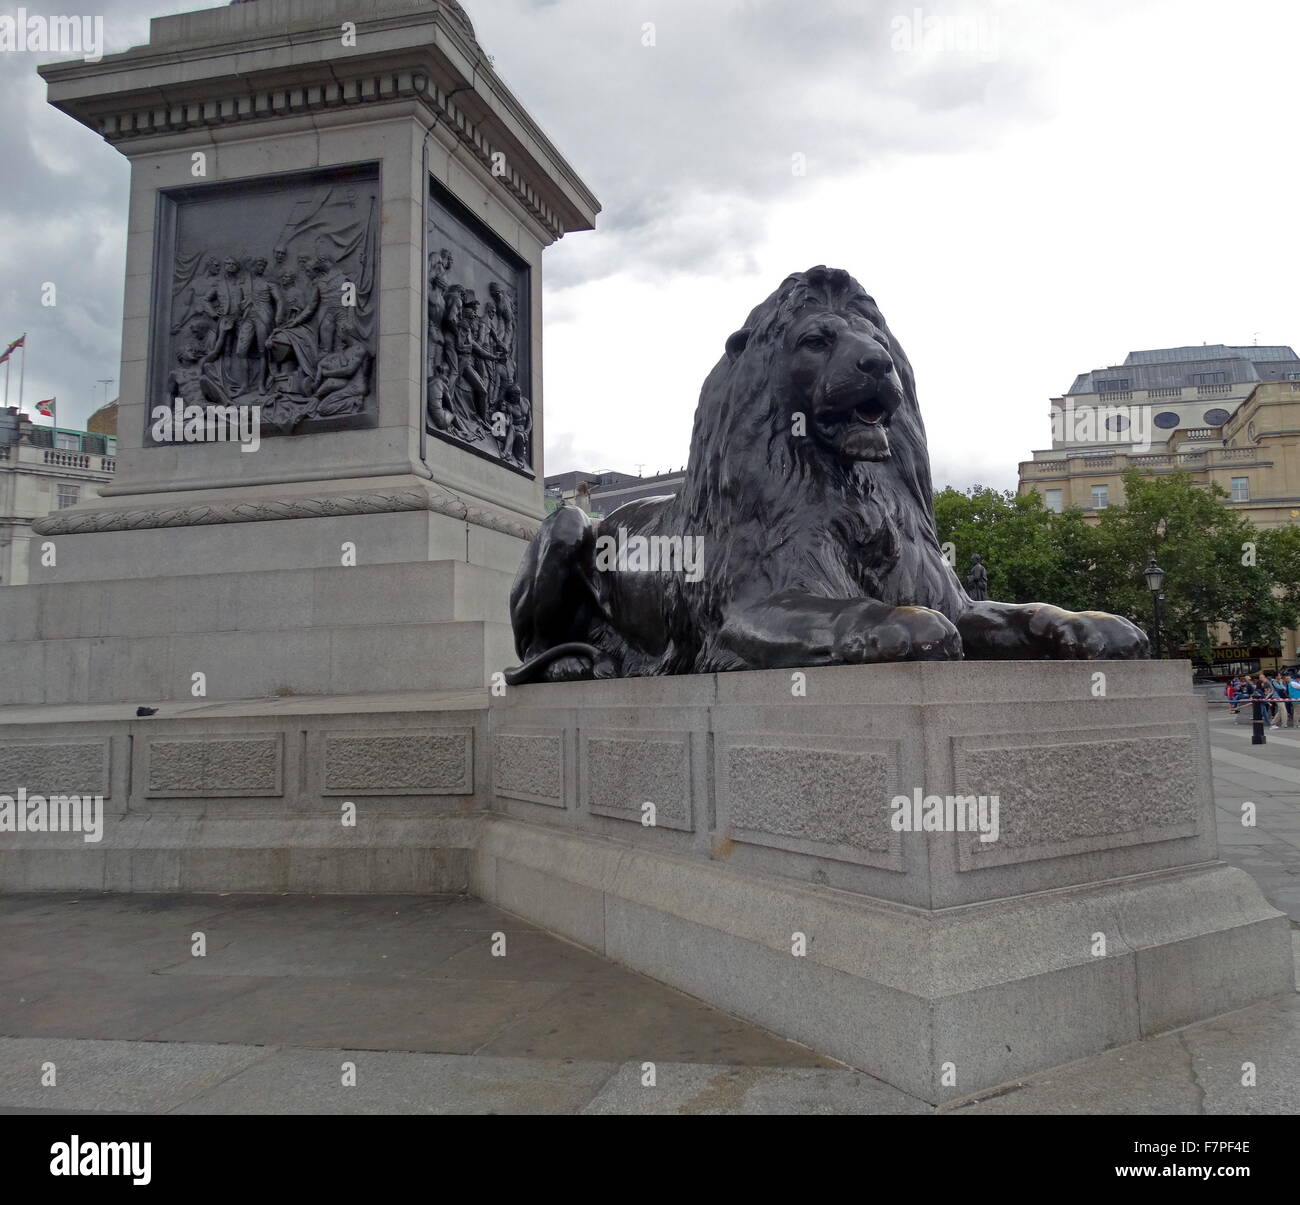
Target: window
x: 1100, y: 497
x: 1053, y: 500
x: 67, y: 443
x: 68, y: 495
x: 1209, y: 378
x: 1241, y: 489
x: 111, y: 445
x: 1166, y: 419
x: 1215, y: 418
x: 1114, y: 385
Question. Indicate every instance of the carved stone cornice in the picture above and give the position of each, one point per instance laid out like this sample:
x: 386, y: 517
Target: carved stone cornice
x: 83, y: 522
x: 370, y: 88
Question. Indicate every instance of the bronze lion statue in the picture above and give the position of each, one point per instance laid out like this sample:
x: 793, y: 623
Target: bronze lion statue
x: 804, y: 534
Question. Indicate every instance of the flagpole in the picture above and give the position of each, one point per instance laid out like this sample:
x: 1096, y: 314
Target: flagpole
x: 22, y: 372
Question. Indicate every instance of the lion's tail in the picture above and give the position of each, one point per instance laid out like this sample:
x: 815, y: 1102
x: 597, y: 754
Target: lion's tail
x: 531, y: 669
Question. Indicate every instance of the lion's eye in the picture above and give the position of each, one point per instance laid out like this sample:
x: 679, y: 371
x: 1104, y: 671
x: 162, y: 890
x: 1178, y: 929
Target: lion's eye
x: 815, y: 340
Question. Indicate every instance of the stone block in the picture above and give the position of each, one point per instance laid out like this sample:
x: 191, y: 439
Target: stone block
x: 414, y: 762
x: 56, y: 766
x: 213, y: 767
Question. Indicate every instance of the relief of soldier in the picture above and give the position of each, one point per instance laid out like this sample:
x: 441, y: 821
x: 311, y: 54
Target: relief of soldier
x: 257, y: 330
x: 471, y: 390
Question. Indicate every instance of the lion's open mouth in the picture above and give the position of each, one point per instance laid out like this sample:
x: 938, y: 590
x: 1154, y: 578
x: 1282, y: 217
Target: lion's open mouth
x: 859, y: 433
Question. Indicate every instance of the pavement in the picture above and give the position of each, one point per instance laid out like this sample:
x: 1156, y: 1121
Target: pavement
x: 406, y: 1004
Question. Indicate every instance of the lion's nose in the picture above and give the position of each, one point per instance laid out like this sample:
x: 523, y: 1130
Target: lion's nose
x: 875, y: 362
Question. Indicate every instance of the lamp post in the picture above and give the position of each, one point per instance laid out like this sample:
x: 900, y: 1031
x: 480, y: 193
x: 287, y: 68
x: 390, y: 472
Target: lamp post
x: 1155, y: 581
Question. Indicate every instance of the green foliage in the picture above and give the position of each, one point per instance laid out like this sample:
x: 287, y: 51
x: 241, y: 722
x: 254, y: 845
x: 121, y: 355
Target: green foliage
x: 1219, y: 567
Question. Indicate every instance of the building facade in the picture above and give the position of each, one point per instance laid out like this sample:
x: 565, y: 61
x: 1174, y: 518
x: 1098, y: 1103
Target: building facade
x: 43, y: 469
x: 1159, y: 413
x: 601, y: 493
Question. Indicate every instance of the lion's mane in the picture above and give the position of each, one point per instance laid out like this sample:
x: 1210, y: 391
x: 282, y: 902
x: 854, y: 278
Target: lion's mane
x: 779, y: 510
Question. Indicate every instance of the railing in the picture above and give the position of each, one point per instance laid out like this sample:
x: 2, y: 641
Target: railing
x: 4, y: 451
x: 1153, y: 394
x: 1209, y: 390
x: 1116, y: 395
x: 1199, y: 433
x: 108, y: 464
x: 68, y: 460
x: 1078, y: 466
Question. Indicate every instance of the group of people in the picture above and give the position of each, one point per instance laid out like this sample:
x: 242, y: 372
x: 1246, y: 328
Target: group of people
x: 473, y: 393
x: 1268, y: 696
x: 260, y: 330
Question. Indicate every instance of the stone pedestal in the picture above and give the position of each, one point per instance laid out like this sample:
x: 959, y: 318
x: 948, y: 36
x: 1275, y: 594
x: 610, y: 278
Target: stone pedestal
x: 312, y: 623
x: 774, y: 885
x: 344, y: 149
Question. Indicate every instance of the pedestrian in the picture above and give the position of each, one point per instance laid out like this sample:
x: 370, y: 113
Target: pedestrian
x: 1231, y: 691
x: 1293, y: 693
x: 1280, y: 693
x: 1265, y: 700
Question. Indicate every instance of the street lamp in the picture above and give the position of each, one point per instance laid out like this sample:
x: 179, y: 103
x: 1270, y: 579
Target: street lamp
x: 1155, y: 581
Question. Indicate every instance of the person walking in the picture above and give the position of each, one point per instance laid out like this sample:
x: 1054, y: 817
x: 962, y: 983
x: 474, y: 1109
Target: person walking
x: 1231, y: 692
x: 1265, y: 700
x: 1293, y: 693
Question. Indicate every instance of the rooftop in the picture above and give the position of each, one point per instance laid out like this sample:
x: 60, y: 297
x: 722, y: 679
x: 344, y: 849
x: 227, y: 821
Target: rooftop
x: 1206, y: 363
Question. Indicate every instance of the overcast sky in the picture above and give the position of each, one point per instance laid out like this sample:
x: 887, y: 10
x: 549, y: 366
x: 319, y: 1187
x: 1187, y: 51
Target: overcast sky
x: 1030, y: 190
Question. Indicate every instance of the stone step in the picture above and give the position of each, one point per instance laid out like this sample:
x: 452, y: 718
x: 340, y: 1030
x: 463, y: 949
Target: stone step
x: 254, y: 601
x: 222, y: 853
x: 357, y: 658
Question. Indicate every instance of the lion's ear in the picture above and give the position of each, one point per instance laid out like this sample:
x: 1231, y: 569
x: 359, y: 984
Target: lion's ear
x: 737, y: 342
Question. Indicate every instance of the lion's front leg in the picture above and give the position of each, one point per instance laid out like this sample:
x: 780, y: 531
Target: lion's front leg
x: 1030, y: 631
x: 793, y: 628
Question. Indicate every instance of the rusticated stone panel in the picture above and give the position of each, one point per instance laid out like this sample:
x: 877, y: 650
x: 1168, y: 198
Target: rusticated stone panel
x: 1077, y: 796
x: 625, y: 772
x: 223, y: 766
x: 529, y: 766
x: 78, y: 769
x: 424, y: 762
x: 818, y: 795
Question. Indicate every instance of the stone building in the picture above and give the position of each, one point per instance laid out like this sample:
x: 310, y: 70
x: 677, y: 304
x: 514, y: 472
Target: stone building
x: 602, y: 492
x: 1229, y: 415
x: 44, y: 469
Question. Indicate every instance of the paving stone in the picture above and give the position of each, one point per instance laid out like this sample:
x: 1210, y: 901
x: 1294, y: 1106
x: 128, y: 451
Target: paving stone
x: 636, y: 1019
x: 114, y: 1076
x: 751, y: 1091
x: 311, y: 1082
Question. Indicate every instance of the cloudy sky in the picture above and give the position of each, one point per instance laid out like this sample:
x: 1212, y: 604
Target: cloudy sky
x: 1030, y: 190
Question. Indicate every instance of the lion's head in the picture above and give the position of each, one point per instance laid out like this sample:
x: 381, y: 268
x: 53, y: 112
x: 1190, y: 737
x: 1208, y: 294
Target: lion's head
x: 814, y: 388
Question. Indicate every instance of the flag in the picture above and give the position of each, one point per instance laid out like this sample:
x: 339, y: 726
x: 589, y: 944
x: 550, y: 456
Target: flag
x: 46, y: 407
x: 21, y: 341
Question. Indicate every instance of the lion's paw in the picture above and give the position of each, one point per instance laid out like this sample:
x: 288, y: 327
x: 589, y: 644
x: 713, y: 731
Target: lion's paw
x: 1089, y: 636
x: 568, y: 669
x: 903, y: 634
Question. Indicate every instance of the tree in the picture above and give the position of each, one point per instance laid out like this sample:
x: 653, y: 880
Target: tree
x: 1032, y: 554
x: 1219, y: 567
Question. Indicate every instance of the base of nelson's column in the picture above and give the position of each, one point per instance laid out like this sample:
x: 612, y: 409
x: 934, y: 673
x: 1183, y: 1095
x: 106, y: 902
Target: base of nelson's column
x: 773, y: 885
